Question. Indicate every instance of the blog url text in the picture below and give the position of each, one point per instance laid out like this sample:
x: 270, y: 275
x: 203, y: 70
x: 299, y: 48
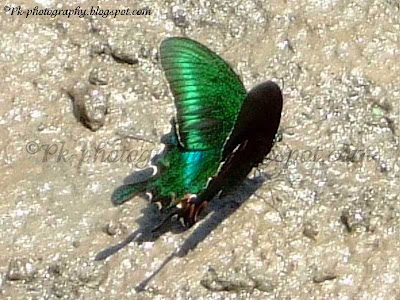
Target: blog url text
x: 77, y: 11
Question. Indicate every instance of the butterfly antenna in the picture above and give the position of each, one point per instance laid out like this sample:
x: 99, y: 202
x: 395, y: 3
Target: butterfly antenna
x: 136, y: 138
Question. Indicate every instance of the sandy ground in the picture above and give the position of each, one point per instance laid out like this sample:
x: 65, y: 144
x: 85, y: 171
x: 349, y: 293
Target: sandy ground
x: 320, y: 219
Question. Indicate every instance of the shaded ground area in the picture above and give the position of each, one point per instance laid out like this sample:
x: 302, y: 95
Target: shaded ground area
x: 74, y: 92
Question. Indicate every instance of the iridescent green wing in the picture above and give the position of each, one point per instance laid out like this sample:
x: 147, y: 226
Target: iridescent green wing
x: 208, y: 94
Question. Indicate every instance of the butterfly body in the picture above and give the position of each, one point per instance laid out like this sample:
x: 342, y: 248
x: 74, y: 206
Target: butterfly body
x: 221, y: 132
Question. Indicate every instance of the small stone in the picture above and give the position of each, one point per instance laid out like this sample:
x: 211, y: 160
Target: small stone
x: 61, y: 28
x: 59, y: 289
x: 114, y: 228
x: 310, y: 231
x: 41, y: 127
x: 261, y: 281
x: 121, y: 56
x: 100, y: 48
x: 263, y: 285
x: 355, y: 221
x: 92, y: 275
x: 21, y: 269
x: 320, y: 278
x: 179, y: 17
x: 234, y: 32
x: 98, y: 76
x: 90, y: 105
x: 231, y: 281
x: 145, y: 52
x: 111, y: 229
x: 55, y: 269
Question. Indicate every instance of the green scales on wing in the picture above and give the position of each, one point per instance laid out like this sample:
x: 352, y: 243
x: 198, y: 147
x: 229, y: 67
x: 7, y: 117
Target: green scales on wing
x: 208, y: 97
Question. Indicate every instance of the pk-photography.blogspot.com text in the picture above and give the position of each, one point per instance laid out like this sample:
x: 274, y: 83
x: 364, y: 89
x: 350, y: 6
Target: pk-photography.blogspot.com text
x: 75, y: 12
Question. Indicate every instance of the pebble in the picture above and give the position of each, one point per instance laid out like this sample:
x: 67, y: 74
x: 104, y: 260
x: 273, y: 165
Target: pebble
x: 98, y: 76
x: 21, y: 269
x: 90, y: 105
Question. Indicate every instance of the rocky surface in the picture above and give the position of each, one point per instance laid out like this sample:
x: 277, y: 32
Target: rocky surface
x: 324, y: 224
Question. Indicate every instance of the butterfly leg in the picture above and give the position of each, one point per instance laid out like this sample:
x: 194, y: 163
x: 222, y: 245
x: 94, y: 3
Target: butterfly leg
x: 190, y: 208
x: 187, y: 209
x: 174, y: 211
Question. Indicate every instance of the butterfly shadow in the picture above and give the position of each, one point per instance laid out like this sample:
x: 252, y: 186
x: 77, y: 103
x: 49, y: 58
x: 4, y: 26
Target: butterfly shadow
x: 216, y: 212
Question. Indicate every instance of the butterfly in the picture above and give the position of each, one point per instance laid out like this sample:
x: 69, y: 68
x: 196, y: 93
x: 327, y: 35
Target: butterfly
x: 220, y: 132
